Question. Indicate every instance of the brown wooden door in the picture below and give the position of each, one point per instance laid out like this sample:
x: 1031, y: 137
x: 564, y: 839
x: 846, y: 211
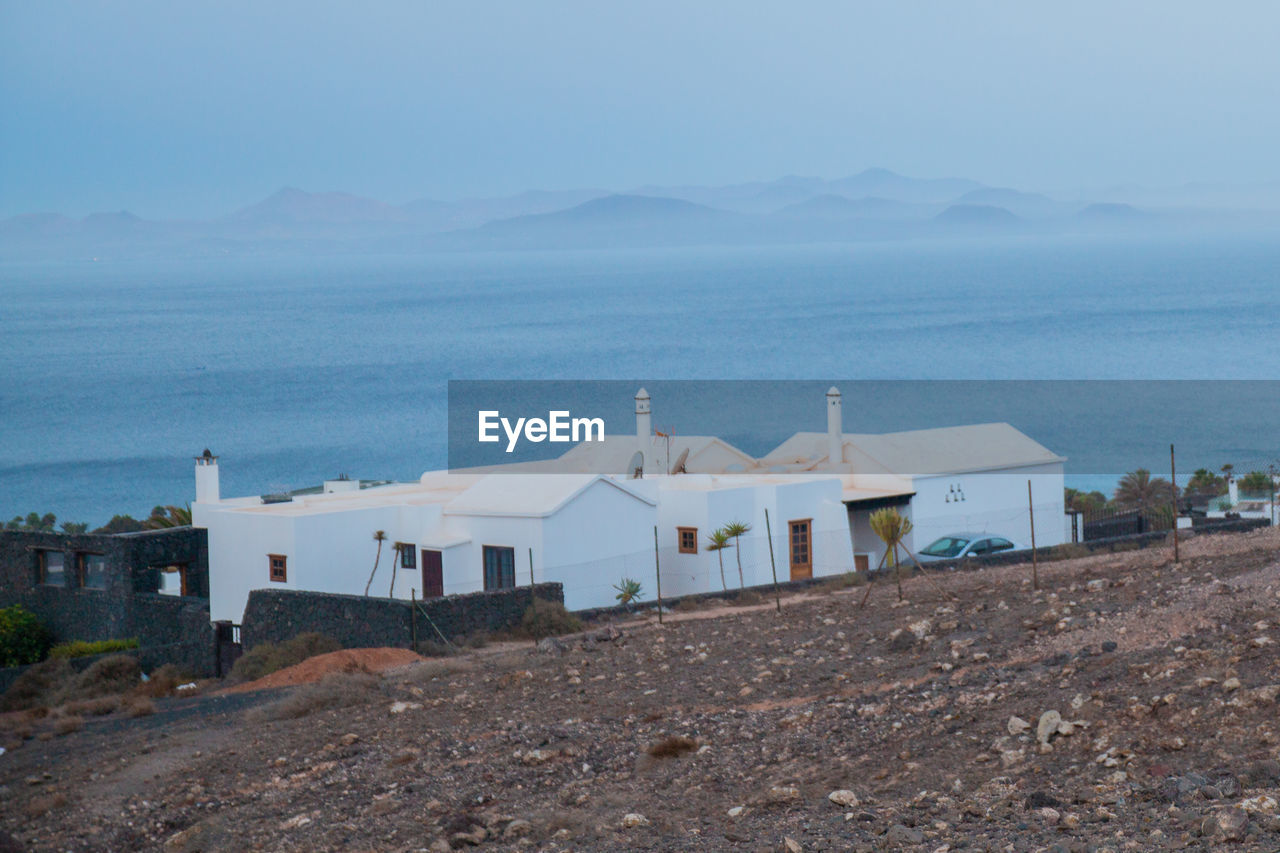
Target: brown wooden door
x: 861, y: 563
x: 432, y: 574
x: 801, y: 550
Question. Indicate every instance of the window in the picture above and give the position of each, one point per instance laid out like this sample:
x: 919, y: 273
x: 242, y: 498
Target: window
x: 408, y: 555
x: 51, y: 568
x: 1000, y: 544
x: 278, y: 564
x: 173, y: 580
x: 92, y: 569
x: 499, y: 567
x: 688, y: 537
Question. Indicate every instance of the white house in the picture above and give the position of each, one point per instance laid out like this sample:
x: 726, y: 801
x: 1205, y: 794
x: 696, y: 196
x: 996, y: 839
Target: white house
x: 587, y: 521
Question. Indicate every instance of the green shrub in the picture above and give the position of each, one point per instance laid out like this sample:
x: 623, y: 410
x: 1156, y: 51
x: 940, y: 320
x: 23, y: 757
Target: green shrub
x: 548, y: 619
x: 23, y: 638
x: 266, y: 658
x: 83, y: 649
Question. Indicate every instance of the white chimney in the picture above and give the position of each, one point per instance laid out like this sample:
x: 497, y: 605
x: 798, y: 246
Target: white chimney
x: 835, y: 428
x: 1233, y: 491
x: 644, y: 429
x: 207, y: 478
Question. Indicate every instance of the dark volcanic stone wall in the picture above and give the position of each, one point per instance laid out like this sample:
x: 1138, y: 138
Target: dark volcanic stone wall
x: 170, y: 629
x: 277, y: 615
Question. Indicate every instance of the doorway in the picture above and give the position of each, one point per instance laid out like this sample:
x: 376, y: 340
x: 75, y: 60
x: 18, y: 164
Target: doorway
x: 432, y: 574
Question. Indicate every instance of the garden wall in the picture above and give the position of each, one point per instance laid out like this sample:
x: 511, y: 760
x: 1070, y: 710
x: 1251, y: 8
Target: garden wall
x: 277, y: 615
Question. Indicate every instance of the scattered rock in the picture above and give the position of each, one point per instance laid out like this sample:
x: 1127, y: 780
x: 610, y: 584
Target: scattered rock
x: 1231, y: 823
x: 1231, y: 684
x: 790, y: 845
x: 737, y: 811
x: 1048, y: 726
x: 518, y: 828
x: 551, y: 647
x: 783, y: 794
x: 1017, y: 726
x: 844, y: 797
x: 900, y: 835
x: 634, y: 819
x: 1261, y: 804
x: 399, y: 707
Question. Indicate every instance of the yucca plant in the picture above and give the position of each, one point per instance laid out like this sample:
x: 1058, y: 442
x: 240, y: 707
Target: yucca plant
x: 735, y: 530
x: 892, y: 528
x: 629, y: 591
x: 718, y: 541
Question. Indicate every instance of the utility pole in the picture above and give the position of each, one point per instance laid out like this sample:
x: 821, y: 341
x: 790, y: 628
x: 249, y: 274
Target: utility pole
x: 657, y: 570
x: 768, y: 530
x: 1035, y: 563
x: 1173, y: 486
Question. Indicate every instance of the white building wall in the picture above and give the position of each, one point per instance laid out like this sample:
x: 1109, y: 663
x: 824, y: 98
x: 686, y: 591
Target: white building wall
x: 591, y: 543
x: 238, y: 547
x: 995, y: 503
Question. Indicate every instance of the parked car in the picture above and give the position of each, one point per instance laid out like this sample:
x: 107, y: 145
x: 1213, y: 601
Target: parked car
x: 958, y: 546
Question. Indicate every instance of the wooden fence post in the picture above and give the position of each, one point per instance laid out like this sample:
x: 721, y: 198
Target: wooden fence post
x: 657, y: 570
x: 1035, y: 563
x: 768, y: 530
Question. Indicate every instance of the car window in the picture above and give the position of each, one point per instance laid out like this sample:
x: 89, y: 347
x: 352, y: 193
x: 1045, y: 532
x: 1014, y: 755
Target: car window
x: 982, y: 546
x: 1001, y: 544
x: 947, y: 546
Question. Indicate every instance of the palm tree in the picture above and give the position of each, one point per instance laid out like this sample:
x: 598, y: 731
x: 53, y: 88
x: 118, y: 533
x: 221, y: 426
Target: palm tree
x: 163, y: 517
x: 379, y: 536
x: 718, y: 541
x: 735, y: 530
x: 1138, y: 489
x: 1205, y: 482
x: 892, y: 528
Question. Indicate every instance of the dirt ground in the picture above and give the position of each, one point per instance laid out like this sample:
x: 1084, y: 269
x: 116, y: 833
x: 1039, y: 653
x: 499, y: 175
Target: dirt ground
x: 1130, y: 704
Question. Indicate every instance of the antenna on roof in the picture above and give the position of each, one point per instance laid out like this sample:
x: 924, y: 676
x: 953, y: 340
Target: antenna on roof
x: 635, y: 468
x: 679, y: 468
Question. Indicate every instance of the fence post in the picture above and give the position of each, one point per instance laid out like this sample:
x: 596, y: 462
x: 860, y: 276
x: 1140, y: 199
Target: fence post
x: 533, y: 587
x: 413, y: 616
x: 1173, y: 488
x: 1035, y: 563
x: 657, y: 570
x: 768, y: 530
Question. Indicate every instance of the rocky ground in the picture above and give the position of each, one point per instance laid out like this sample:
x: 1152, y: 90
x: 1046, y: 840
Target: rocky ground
x: 1130, y: 704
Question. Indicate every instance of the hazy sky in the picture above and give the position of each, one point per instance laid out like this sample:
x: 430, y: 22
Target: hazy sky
x: 196, y: 108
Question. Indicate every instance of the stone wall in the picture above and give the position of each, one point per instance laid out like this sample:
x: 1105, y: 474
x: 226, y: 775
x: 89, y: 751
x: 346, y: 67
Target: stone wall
x: 277, y: 615
x: 169, y: 629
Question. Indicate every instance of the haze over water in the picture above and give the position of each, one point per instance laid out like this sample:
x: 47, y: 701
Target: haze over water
x: 113, y: 375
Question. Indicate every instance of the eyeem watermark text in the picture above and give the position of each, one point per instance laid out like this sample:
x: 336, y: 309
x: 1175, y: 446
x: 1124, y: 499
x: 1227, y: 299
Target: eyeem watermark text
x: 558, y: 427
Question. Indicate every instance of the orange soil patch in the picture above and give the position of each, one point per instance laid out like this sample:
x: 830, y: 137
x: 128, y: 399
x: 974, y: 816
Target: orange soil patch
x: 316, y: 668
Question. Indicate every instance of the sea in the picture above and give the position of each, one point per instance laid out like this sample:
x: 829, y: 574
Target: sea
x: 114, y: 373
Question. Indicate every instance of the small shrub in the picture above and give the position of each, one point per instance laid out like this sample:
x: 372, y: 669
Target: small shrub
x: 84, y: 649
x: 548, y: 619
x: 67, y: 725
x: 40, y: 806
x: 629, y: 591
x: 432, y: 649
x: 99, y: 707
x: 111, y: 675
x: 847, y: 580
x: 340, y: 690
x: 477, y: 640
x: 163, y: 681
x: 672, y: 746
x: 430, y: 670
x: 266, y: 658
x: 139, y: 706
x: 747, y: 598
x: 23, y: 638
x: 688, y: 604
x: 39, y: 685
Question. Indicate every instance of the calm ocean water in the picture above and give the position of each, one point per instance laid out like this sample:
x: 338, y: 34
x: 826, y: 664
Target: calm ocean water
x: 114, y: 374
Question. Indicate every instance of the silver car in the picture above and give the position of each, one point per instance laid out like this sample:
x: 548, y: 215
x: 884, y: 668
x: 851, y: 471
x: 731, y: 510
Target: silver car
x: 958, y: 546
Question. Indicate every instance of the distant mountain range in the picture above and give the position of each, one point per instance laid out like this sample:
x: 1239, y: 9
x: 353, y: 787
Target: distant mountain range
x: 874, y: 204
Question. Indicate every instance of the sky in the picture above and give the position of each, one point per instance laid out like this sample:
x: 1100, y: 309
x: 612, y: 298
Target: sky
x: 194, y: 109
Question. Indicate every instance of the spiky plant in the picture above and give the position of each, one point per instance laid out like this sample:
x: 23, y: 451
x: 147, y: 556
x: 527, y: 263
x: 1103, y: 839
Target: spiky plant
x: 735, y: 530
x: 892, y: 528
x: 718, y: 541
x: 629, y: 591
